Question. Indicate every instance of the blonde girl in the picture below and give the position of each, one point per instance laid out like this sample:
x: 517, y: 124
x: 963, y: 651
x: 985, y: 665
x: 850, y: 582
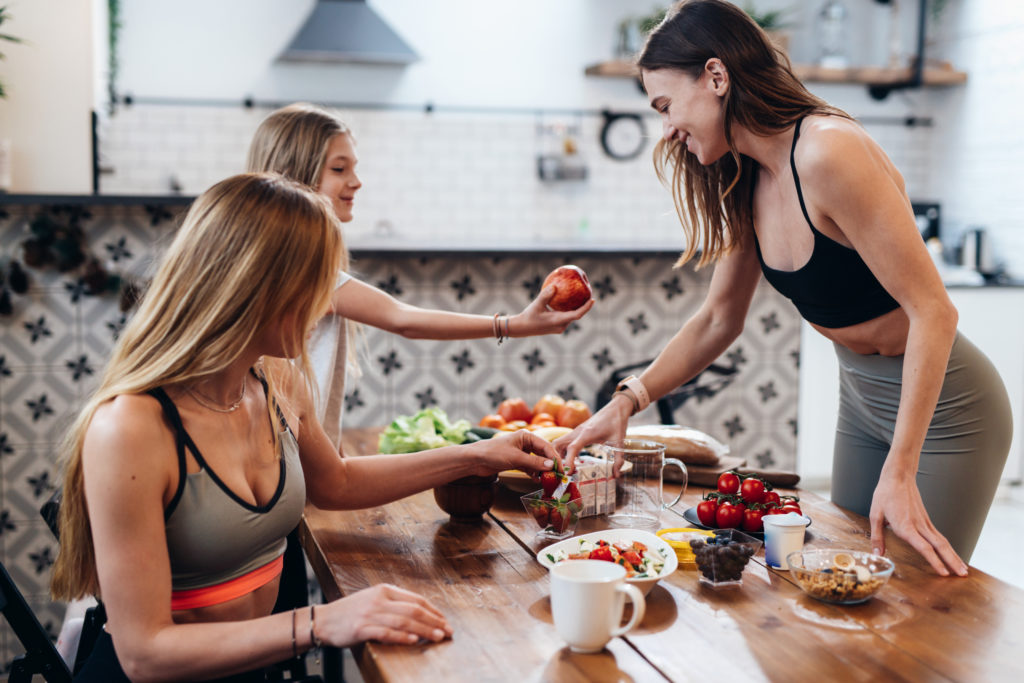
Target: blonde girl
x: 314, y: 147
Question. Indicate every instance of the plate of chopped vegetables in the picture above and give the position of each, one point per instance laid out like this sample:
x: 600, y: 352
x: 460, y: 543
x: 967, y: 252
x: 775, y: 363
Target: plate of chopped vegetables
x: 646, y: 557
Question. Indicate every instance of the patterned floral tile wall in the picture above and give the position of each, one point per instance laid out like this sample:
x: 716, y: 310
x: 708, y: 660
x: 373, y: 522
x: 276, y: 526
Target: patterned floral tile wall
x: 55, y: 337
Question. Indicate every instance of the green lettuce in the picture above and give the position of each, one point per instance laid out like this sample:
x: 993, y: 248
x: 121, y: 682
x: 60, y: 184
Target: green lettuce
x: 429, y: 428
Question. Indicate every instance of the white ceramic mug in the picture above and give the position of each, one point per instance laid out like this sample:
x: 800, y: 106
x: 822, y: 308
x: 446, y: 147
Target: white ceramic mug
x: 783, y: 534
x: 639, y: 497
x: 587, y: 602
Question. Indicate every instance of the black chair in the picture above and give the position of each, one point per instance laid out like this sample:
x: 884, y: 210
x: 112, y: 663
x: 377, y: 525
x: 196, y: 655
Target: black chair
x: 40, y: 657
x: 705, y: 384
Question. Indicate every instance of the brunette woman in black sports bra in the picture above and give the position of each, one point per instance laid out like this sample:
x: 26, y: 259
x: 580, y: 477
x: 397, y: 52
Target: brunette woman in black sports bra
x: 769, y: 178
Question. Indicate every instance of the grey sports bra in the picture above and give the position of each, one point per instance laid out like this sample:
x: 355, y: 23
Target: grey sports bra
x: 214, y: 536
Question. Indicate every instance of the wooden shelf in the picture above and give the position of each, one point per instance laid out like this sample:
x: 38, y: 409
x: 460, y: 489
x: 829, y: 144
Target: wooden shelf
x: 614, y: 68
x: 933, y: 76
x: 871, y: 75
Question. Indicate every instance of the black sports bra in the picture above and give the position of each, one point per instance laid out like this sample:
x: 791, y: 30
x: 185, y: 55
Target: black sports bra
x: 835, y: 288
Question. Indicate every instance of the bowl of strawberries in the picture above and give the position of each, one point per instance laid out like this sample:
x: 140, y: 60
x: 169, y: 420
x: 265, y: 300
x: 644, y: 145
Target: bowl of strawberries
x: 557, y: 506
x: 557, y: 517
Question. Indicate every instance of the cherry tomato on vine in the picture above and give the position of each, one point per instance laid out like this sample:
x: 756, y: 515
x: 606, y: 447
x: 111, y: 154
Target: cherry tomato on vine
x: 753, y: 519
x: 792, y: 507
x: 706, y: 510
x: 771, y: 498
x: 729, y: 516
x: 728, y: 482
x: 752, y: 490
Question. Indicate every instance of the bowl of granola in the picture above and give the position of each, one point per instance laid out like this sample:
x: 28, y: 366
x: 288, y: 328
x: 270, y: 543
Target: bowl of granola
x: 838, y: 576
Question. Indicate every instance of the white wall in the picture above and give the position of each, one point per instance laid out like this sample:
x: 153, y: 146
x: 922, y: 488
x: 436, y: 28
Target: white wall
x: 49, y: 82
x: 978, y: 146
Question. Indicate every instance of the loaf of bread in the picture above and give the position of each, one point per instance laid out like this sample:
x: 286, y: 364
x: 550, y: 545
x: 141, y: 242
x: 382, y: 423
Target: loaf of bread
x: 689, y: 445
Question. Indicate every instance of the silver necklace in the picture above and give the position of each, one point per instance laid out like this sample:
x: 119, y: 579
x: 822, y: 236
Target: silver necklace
x: 209, y: 403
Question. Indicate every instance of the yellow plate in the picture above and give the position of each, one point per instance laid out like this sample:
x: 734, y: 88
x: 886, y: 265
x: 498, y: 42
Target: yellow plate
x: 682, y: 548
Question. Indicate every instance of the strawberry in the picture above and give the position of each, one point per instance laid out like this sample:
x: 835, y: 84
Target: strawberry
x: 549, y: 482
x: 559, y: 518
x: 541, y: 514
x: 573, y: 491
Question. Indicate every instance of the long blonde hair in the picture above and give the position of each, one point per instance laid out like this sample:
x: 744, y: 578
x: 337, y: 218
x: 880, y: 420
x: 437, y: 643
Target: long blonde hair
x: 293, y: 141
x: 714, y: 201
x: 251, y: 249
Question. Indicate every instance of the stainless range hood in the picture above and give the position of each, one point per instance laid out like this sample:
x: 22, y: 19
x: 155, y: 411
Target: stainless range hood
x: 347, y: 31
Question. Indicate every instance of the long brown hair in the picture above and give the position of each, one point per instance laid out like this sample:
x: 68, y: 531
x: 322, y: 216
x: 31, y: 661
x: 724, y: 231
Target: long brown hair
x: 714, y: 201
x: 251, y: 249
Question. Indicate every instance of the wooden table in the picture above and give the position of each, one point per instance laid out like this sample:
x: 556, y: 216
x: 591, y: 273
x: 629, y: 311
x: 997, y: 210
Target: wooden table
x: 486, y: 580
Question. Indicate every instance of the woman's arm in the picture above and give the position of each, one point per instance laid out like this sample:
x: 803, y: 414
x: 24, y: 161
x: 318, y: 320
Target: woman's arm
x: 364, y: 303
x: 852, y: 183
x: 339, y: 483
x: 702, y: 339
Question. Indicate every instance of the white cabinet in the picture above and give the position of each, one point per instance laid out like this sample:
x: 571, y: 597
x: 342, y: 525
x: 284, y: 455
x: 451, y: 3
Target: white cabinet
x: 991, y: 317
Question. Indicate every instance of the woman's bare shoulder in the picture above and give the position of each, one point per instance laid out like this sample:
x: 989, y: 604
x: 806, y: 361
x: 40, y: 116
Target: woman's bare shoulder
x: 830, y: 141
x: 129, y: 426
x: 839, y: 154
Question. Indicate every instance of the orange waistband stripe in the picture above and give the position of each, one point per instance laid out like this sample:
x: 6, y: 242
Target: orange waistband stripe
x: 229, y: 590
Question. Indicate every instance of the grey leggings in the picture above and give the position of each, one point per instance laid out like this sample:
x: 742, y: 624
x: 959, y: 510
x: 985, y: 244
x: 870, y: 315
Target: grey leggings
x: 963, y: 454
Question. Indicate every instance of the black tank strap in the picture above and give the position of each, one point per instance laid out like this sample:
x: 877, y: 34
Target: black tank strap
x: 180, y: 438
x: 796, y: 176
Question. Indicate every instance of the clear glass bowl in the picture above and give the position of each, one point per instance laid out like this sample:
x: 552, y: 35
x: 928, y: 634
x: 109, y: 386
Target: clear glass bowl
x: 855, y: 578
x: 721, y: 560
x: 555, y: 519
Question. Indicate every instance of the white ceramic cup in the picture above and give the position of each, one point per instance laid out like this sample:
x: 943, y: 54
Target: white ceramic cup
x: 783, y: 534
x: 587, y: 602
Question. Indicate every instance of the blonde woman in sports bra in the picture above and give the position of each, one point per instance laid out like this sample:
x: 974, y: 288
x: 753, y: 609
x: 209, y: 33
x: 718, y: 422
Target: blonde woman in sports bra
x: 194, y: 458
x: 769, y: 179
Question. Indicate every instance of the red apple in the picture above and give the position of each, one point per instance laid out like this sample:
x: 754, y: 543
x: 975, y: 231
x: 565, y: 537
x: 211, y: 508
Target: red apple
x: 572, y: 288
